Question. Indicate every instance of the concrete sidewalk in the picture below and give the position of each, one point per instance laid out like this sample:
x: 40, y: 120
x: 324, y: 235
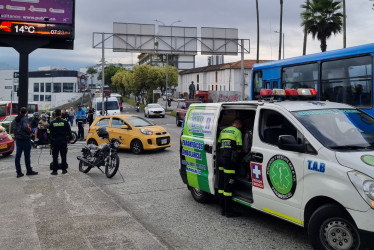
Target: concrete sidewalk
x: 65, y: 212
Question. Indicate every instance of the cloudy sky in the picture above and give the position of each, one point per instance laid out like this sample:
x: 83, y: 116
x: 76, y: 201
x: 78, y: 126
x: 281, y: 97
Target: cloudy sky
x: 98, y: 16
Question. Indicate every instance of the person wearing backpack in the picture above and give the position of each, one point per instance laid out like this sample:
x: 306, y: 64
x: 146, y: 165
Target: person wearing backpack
x: 22, y: 133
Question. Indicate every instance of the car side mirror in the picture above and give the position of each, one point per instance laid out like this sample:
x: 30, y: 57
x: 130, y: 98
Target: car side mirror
x: 124, y: 127
x: 289, y: 143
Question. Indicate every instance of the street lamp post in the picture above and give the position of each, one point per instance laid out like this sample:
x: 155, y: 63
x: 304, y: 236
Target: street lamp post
x: 167, y: 57
x: 282, y: 42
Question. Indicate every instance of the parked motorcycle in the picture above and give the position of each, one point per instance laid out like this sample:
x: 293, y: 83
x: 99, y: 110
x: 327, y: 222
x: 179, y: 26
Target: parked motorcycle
x: 43, y: 139
x: 103, y: 155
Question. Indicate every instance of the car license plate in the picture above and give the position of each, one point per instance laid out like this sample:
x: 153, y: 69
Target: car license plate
x: 3, y: 146
x: 157, y: 114
x: 164, y: 141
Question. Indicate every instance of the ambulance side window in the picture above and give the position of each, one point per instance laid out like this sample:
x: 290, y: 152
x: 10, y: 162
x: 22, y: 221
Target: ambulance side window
x: 273, y: 125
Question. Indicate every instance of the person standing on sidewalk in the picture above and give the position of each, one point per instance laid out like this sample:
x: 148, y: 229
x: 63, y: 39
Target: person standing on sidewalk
x: 22, y: 132
x: 60, y: 134
x: 81, y: 117
x: 71, y: 116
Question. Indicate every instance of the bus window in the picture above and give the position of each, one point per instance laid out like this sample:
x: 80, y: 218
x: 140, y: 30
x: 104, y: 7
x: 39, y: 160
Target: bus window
x: 275, y: 85
x: 257, y: 86
x: 348, y: 80
x: 2, y: 111
x: 300, y: 76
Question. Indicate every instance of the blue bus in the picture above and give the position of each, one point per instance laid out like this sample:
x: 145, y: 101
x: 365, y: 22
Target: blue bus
x: 344, y: 75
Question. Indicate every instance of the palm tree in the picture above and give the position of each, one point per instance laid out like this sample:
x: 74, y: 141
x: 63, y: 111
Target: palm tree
x: 344, y: 26
x: 258, y: 34
x: 322, y: 19
x: 305, y: 37
x: 280, y: 29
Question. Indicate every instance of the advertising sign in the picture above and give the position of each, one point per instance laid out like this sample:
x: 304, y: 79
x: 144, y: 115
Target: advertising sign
x: 48, y: 18
x: 40, y: 11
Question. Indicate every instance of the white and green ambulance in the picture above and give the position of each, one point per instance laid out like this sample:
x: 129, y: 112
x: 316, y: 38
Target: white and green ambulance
x: 310, y: 163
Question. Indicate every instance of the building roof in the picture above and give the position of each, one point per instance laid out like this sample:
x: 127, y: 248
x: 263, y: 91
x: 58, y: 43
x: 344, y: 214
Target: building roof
x: 248, y: 64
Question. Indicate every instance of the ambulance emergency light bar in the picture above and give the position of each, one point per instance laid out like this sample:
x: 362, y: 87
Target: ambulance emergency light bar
x: 295, y: 94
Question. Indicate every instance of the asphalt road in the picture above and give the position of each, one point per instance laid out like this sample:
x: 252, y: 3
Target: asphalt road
x: 149, y: 187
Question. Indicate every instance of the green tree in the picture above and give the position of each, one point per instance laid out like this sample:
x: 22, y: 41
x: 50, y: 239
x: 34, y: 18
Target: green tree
x: 91, y: 71
x: 122, y: 81
x: 109, y: 72
x: 148, y: 78
x: 322, y: 18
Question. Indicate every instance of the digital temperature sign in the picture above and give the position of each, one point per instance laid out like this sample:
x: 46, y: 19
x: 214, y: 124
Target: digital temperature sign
x: 36, y: 29
x: 39, y: 18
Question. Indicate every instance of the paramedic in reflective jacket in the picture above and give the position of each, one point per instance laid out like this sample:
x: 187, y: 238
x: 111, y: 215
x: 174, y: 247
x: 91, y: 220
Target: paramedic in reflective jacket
x: 230, y: 145
x: 60, y: 135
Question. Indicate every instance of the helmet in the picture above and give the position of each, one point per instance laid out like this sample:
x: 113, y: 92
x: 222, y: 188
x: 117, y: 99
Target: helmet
x: 102, y: 132
x: 36, y: 114
x: 44, y: 116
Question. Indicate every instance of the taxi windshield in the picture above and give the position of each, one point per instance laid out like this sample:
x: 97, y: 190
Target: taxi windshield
x: 139, y: 121
x: 339, y: 129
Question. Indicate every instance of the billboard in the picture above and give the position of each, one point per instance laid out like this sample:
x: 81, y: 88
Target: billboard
x: 46, y: 18
x: 133, y: 37
x: 219, y: 41
x: 177, y: 40
x: 40, y: 11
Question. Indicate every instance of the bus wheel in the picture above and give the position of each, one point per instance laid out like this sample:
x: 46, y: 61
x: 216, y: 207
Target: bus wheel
x: 330, y: 227
x: 200, y: 196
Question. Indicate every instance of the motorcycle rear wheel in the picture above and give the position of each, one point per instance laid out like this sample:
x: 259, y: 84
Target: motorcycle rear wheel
x: 75, y: 137
x: 84, y: 167
x: 111, y: 166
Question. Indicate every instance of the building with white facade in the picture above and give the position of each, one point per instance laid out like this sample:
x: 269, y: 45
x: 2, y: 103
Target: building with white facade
x: 222, y: 77
x: 50, y: 87
x: 216, y: 59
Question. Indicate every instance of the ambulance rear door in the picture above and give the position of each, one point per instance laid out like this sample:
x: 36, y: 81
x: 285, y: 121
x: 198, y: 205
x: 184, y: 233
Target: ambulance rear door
x: 198, y: 145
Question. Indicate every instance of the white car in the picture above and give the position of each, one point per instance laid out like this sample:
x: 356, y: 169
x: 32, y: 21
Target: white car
x: 154, y: 109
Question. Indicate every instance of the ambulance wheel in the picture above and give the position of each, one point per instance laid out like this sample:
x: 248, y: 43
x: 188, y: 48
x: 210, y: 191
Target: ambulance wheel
x: 331, y: 227
x: 136, y: 146
x: 200, y: 196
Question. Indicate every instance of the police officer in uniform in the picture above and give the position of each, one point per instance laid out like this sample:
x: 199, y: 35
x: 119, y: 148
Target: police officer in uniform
x: 230, y: 145
x: 60, y: 135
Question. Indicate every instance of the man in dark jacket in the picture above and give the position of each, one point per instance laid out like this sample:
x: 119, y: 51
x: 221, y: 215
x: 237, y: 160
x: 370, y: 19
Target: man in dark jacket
x: 90, y: 114
x: 60, y: 134
x: 22, y: 132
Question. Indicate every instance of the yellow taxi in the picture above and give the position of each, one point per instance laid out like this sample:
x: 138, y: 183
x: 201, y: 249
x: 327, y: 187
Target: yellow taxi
x: 137, y: 133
